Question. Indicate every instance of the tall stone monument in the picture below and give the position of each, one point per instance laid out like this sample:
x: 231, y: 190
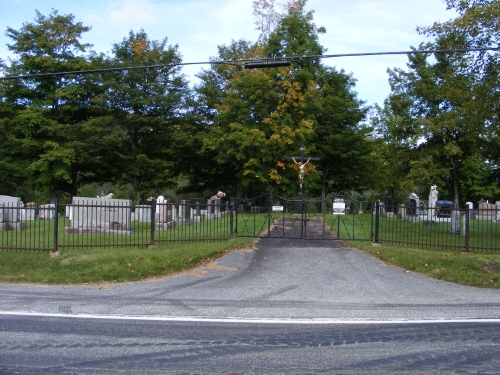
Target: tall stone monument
x: 431, y: 208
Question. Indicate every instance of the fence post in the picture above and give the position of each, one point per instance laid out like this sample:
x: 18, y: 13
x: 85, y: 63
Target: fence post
x: 231, y: 217
x: 377, y: 220
x: 56, y: 225
x: 153, y: 213
x: 466, y: 234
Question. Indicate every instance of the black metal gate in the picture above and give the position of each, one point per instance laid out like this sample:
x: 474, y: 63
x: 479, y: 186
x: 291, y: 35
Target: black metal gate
x: 334, y: 218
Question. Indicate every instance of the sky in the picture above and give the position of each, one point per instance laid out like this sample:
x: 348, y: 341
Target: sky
x: 199, y: 26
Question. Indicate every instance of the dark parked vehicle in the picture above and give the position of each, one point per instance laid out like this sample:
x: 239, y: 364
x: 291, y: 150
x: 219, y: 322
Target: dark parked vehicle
x: 444, y: 208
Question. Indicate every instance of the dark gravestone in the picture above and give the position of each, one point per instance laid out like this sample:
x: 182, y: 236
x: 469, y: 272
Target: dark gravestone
x: 388, y: 204
x: 198, y: 204
x: 412, y: 209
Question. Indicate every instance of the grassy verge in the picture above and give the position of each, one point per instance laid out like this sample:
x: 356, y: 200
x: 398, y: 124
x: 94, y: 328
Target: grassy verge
x: 76, y: 266
x: 474, y: 269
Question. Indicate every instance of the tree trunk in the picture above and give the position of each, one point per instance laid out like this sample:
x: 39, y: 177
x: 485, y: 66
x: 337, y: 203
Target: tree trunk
x: 53, y: 196
x: 456, y: 194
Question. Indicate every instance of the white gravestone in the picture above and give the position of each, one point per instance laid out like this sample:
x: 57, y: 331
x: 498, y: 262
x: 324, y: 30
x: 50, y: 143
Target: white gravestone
x: 143, y: 213
x: 11, y: 209
x: 46, y: 211
x: 28, y: 213
x: 161, y: 209
x: 164, y: 212
x: 455, y: 222
x: 100, y: 215
x: 10, y: 213
x: 433, y: 197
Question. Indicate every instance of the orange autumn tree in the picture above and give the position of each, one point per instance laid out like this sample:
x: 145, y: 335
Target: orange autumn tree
x: 257, y: 117
x: 265, y: 113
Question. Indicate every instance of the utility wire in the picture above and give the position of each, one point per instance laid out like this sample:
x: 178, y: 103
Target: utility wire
x: 248, y: 62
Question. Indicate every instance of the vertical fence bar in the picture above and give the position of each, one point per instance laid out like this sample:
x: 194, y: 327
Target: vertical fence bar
x: 377, y: 220
x: 56, y: 224
x: 231, y: 217
x: 153, y: 213
x: 269, y: 208
x: 466, y: 234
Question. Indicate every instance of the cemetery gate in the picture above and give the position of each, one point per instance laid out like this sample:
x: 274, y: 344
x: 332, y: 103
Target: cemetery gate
x: 334, y: 218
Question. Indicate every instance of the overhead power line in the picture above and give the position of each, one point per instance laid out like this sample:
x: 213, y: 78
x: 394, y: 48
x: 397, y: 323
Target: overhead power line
x: 252, y: 63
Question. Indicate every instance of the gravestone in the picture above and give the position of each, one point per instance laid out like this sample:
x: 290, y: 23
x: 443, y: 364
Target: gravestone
x: 381, y: 209
x: 68, y: 212
x: 210, y: 209
x: 28, y: 213
x: 455, y: 222
x: 165, y: 214
x: 46, y: 211
x: 183, y: 212
x: 217, y: 207
x: 487, y: 211
x: 388, y: 204
x: 161, y: 209
x: 431, y: 206
x: 401, y: 211
x: 142, y: 213
x: 197, y: 204
x: 413, y: 211
x: 10, y: 213
x: 498, y: 210
x: 100, y: 215
x: 472, y: 211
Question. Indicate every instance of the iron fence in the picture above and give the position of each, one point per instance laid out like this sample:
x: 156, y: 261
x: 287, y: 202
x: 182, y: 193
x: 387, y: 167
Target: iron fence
x: 55, y: 227
x: 450, y: 228
x: 87, y: 224
x: 333, y: 218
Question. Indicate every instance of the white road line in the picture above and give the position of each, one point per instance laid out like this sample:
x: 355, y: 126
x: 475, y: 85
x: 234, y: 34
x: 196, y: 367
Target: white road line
x: 244, y: 320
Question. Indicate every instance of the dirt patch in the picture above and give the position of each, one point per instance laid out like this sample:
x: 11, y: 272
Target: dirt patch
x: 491, y: 267
x: 197, y: 271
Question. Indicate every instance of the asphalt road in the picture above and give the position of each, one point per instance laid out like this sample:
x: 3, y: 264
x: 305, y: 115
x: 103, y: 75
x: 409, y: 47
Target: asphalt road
x: 276, y: 279
x: 49, y: 345
x: 281, y: 307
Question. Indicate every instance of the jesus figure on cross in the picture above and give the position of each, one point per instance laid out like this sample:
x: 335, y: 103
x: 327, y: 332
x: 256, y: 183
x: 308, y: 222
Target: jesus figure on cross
x: 301, y: 170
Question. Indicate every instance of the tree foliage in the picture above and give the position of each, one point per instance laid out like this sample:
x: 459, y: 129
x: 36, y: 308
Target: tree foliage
x: 148, y: 108
x: 41, y: 134
x: 446, y: 107
x: 261, y: 116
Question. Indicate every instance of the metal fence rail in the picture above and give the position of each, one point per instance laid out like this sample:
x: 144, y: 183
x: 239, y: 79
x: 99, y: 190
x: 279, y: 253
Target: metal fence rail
x: 57, y: 226
x: 272, y: 216
x: 54, y: 227
x: 27, y: 228
x: 465, y: 229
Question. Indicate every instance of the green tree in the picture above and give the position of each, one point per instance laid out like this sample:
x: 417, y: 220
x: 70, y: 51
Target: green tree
x: 149, y: 108
x: 264, y: 114
x: 46, y: 113
x: 261, y: 116
x: 477, y: 26
x: 452, y: 104
x: 341, y: 138
x: 395, y: 139
x: 448, y: 135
